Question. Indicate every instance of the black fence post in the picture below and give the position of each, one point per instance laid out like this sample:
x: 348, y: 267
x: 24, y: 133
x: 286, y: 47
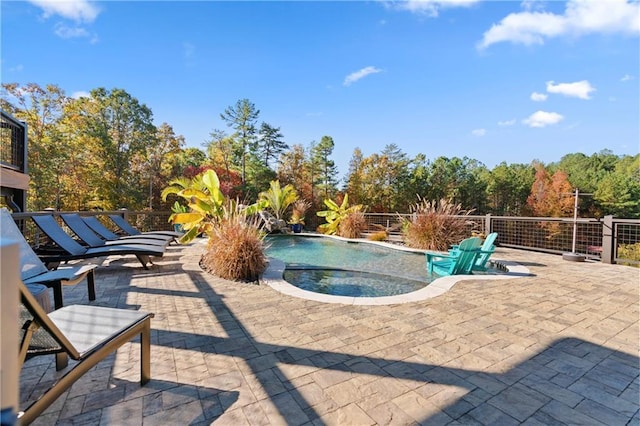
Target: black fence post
x: 608, y: 240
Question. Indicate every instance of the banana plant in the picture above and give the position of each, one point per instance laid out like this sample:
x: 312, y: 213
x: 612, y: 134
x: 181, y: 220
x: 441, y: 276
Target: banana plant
x: 278, y: 198
x: 336, y: 213
x: 205, y: 201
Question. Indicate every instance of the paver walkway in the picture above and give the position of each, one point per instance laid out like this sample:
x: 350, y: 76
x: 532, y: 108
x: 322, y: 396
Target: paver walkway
x: 559, y: 347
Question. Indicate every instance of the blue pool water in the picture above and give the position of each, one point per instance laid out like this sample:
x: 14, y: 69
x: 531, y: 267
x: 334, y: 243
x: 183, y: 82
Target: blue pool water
x: 329, y: 266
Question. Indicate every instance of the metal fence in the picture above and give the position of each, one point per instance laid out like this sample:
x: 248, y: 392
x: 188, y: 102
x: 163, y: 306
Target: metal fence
x: 609, y: 239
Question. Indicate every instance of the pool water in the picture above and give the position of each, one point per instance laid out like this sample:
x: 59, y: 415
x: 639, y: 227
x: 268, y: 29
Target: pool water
x: 330, y: 266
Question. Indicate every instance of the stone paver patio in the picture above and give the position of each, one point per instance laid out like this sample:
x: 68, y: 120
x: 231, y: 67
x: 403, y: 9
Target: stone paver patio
x: 558, y: 347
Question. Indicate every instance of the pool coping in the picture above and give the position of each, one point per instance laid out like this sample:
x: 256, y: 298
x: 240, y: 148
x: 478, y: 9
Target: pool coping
x: 273, y: 277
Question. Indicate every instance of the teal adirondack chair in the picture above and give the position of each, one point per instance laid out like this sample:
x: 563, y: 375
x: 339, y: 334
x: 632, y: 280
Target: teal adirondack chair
x: 456, y: 262
x: 484, y: 253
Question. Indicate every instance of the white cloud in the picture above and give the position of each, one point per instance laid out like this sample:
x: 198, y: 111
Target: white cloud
x: 530, y: 5
x: 538, y: 97
x: 578, y: 89
x: 430, y: 8
x: 17, y: 68
x: 627, y: 77
x: 355, y: 76
x: 580, y: 17
x: 506, y: 123
x: 76, y: 10
x: 543, y: 119
x: 64, y: 31
x: 80, y: 94
x: 479, y: 132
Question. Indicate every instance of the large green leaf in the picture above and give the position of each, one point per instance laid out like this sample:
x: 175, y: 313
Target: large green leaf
x: 189, y: 235
x: 331, y: 204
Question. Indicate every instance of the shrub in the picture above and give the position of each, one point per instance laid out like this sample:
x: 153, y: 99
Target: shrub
x: 379, y: 236
x: 300, y: 207
x: 435, y: 226
x: 352, y: 225
x: 629, y: 252
x: 235, y: 250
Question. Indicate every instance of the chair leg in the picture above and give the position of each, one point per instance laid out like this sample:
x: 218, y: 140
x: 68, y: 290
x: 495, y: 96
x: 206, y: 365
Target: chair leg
x: 144, y: 259
x: 57, y: 295
x: 145, y: 353
x: 62, y: 360
x: 91, y: 285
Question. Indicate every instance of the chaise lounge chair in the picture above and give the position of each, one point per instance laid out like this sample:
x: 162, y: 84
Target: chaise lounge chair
x: 456, y: 262
x: 127, y: 228
x: 90, y: 238
x: 104, y: 232
x: 85, y: 333
x: 33, y: 271
x: 70, y: 249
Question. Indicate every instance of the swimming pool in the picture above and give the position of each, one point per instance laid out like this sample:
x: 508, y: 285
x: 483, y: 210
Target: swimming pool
x: 337, y: 267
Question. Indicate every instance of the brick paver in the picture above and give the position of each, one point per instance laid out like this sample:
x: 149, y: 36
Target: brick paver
x: 558, y: 347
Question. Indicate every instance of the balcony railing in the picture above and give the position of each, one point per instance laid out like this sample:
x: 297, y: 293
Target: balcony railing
x: 13, y: 142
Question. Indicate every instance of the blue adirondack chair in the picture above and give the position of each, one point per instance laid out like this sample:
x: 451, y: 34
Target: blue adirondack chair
x: 456, y: 262
x: 484, y: 253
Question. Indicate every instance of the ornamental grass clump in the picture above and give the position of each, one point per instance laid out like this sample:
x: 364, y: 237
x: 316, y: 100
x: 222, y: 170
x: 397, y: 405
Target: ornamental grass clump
x: 352, y: 225
x: 235, y: 250
x: 436, y: 225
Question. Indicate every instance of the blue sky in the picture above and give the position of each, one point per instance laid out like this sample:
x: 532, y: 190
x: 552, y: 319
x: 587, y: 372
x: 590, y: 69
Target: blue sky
x: 495, y: 81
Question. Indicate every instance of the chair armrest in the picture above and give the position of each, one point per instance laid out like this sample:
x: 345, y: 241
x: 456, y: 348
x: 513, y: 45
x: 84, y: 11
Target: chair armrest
x: 431, y: 256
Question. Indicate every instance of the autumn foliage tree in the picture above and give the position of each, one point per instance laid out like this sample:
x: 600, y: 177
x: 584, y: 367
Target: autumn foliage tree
x: 550, y: 194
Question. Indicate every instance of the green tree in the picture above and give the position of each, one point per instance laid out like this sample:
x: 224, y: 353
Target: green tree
x: 258, y: 178
x: 220, y: 149
x: 123, y: 131
x: 386, y: 178
x: 327, y: 170
x: 167, y: 143
x: 49, y: 151
x: 418, y: 180
x: 508, y: 186
x: 242, y: 118
x: 586, y: 173
x: 354, y: 182
x: 619, y: 191
x: 395, y: 177
x: 293, y: 168
x: 270, y: 143
x: 458, y: 180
